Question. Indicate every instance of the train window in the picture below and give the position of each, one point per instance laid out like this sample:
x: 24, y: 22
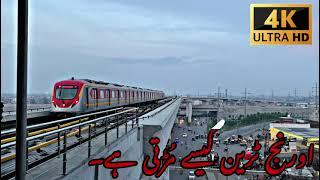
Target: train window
x: 107, y: 93
x: 113, y: 94
x: 66, y: 92
x: 93, y: 93
x: 101, y: 94
x: 121, y: 94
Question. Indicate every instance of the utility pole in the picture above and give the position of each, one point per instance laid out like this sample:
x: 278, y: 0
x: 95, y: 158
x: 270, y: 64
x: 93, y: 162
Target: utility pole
x: 316, y: 97
x: 272, y: 97
x: 226, y: 93
x: 289, y: 97
x: 309, y: 99
x: 21, y: 105
x: 218, y: 96
x: 245, y: 101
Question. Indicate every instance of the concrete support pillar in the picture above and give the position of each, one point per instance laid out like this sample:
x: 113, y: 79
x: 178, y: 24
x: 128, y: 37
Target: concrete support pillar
x: 189, y: 112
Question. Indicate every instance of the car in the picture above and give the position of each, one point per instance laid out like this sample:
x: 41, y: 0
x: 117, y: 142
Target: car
x: 180, y: 158
x: 177, y: 140
x: 217, y: 144
x: 226, y: 141
x: 189, y: 129
x: 193, y: 139
x: 191, y: 175
x: 243, y: 143
x: 184, y: 135
x: 204, y: 142
x: 226, y: 149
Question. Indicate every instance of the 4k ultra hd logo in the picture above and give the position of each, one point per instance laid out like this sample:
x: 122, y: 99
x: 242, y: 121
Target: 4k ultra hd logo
x: 280, y: 24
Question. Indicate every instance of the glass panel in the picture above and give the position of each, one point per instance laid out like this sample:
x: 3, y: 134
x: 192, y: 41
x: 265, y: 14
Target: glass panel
x: 66, y: 93
x: 102, y: 94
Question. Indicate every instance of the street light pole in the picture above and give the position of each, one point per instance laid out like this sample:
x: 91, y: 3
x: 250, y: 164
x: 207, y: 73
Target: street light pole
x: 21, y: 106
x: 245, y: 102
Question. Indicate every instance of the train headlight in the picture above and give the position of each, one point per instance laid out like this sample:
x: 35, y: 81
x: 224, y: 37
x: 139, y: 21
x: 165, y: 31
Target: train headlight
x: 75, y: 102
x: 54, y: 104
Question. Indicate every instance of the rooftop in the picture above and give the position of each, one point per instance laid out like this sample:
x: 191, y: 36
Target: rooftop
x: 303, y: 132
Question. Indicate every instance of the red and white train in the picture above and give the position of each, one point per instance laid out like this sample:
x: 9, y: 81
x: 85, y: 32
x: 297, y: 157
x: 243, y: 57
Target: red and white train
x: 83, y: 95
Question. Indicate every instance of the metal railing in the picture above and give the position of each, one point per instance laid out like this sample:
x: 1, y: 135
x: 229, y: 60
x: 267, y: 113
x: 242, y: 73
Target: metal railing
x: 108, y: 122
x: 11, y: 112
x: 59, y: 121
x: 65, y: 128
x: 157, y: 112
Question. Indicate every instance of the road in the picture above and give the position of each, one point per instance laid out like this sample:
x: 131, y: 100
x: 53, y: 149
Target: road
x: 186, y: 144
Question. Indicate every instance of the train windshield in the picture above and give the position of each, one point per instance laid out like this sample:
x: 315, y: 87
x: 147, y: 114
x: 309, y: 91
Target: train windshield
x: 66, y: 92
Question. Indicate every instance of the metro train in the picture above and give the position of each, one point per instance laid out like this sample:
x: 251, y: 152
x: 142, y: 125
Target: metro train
x: 84, y: 95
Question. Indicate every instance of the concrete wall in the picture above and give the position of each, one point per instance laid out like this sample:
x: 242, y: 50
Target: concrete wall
x: 131, y: 147
x: 159, y: 126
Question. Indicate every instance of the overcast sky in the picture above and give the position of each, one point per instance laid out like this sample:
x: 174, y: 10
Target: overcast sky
x: 172, y: 45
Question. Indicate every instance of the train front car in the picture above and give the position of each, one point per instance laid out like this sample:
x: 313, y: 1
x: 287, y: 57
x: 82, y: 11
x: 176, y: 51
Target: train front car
x: 66, y: 97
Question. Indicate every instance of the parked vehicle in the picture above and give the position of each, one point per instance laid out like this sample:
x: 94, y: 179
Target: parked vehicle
x: 226, y: 141
x: 191, y: 175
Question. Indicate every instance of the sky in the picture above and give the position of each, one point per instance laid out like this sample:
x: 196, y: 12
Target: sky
x: 182, y: 47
